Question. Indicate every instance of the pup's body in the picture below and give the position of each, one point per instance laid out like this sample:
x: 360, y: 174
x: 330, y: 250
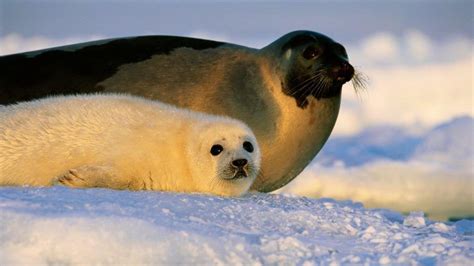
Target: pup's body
x: 123, y: 142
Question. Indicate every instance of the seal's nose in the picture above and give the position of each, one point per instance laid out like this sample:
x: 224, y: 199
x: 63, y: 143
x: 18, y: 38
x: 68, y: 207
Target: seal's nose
x: 239, y: 163
x: 343, y: 72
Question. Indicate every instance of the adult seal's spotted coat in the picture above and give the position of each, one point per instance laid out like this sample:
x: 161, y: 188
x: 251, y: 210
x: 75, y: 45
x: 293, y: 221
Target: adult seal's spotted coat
x: 288, y: 92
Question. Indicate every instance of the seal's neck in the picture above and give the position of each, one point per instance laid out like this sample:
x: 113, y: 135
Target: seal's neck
x: 299, y: 133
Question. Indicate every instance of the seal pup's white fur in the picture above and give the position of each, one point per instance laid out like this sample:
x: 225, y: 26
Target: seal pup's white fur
x: 123, y: 142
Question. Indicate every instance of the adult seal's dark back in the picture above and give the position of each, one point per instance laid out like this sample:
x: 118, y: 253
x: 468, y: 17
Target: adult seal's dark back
x: 288, y: 92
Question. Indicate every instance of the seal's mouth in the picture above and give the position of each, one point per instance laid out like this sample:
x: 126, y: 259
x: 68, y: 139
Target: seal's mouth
x: 330, y: 80
x: 323, y: 83
x: 233, y: 173
x: 239, y: 173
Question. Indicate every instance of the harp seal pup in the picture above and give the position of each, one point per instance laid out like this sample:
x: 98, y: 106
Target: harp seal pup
x: 124, y: 142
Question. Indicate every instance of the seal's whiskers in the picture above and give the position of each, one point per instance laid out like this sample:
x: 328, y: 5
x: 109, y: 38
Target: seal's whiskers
x: 304, y: 84
x: 359, y: 81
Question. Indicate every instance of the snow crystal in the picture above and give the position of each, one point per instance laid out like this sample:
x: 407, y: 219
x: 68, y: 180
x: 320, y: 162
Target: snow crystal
x: 415, y: 219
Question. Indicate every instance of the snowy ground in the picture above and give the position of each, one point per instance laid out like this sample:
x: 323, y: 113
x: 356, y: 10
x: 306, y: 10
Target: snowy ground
x: 389, y: 167
x: 66, y: 226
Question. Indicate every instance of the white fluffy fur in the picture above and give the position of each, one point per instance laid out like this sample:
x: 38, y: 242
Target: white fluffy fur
x: 121, y: 142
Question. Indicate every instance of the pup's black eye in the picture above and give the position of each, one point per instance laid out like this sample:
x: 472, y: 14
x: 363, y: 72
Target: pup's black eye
x: 310, y: 52
x: 248, y: 146
x: 216, y: 149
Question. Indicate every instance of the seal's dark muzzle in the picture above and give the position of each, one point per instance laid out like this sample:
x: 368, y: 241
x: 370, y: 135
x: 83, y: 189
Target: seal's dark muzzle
x: 343, y: 72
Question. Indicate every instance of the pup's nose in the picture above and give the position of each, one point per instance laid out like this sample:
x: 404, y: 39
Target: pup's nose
x: 239, y: 163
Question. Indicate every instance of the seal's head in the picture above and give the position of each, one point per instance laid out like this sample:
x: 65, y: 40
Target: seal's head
x: 310, y: 63
x: 226, y: 157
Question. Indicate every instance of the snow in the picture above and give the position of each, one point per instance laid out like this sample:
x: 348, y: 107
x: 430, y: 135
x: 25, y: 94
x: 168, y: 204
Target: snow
x: 391, y: 167
x: 59, y: 225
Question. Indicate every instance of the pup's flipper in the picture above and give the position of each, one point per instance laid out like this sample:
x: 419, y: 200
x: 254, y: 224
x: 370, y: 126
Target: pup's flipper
x: 92, y: 176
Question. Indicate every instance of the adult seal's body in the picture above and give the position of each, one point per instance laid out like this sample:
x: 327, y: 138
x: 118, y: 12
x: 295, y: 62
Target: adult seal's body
x: 124, y: 142
x: 288, y: 92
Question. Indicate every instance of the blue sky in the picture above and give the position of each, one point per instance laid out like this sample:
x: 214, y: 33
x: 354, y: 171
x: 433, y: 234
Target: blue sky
x: 346, y: 21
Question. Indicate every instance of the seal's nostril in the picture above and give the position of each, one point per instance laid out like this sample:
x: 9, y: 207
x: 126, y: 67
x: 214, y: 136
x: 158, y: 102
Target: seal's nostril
x: 343, y: 72
x: 348, y: 69
x: 239, y: 162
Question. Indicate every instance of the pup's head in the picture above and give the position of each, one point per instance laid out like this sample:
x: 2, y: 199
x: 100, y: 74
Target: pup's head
x: 224, y: 157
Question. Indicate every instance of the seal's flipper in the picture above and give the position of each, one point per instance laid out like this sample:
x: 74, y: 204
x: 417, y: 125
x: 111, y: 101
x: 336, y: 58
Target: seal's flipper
x: 91, y: 176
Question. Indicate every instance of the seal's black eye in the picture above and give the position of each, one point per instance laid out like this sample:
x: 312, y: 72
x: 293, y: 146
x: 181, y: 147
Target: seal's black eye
x: 310, y: 52
x: 248, y: 146
x: 216, y: 149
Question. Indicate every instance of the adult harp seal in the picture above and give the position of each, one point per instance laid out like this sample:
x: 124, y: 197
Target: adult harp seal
x: 288, y: 92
